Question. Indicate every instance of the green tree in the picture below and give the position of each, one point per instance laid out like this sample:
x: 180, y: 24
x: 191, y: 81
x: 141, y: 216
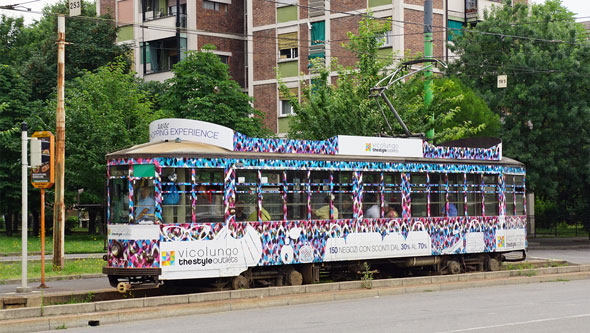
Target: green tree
x: 12, y: 39
x: 105, y: 111
x: 14, y: 99
x: 92, y: 44
x: 327, y: 110
x: 460, y: 113
x: 202, y: 89
x: 545, y: 109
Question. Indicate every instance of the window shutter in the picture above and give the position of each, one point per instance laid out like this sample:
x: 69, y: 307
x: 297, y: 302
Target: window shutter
x: 288, y: 41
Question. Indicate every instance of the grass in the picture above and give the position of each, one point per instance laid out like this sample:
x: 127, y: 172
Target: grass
x: 519, y: 266
x: 72, y: 267
x: 563, y: 230
x: 74, y: 243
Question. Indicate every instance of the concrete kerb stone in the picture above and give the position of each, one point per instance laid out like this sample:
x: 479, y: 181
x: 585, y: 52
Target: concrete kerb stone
x: 211, y: 296
x: 355, y: 294
x: 348, y: 285
x: 318, y: 288
x: 288, y: 290
x: 416, y: 281
x: 20, y: 313
x: 25, y: 325
x: 165, y: 300
x: 119, y: 304
x: 243, y: 304
x: 55, y: 310
x: 249, y: 293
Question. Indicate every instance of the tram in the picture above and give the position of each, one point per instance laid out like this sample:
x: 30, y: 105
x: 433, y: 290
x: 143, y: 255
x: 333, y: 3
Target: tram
x: 201, y: 201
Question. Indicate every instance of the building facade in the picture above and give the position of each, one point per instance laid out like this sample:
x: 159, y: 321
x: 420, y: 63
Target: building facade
x: 260, y: 39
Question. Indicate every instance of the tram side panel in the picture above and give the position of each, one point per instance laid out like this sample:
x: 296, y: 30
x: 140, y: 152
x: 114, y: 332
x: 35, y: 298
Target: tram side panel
x: 205, y: 250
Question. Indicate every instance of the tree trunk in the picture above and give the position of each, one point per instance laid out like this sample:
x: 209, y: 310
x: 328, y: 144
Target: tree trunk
x: 8, y: 223
x: 15, y: 221
x: 91, y: 221
x: 36, y: 222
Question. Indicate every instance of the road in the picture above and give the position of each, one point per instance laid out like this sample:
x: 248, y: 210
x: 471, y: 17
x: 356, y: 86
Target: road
x: 577, y: 256
x: 542, y: 307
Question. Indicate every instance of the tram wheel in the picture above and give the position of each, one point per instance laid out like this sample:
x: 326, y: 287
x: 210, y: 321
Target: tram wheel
x: 454, y: 267
x: 123, y: 287
x: 294, y: 278
x: 493, y: 264
x: 239, y: 282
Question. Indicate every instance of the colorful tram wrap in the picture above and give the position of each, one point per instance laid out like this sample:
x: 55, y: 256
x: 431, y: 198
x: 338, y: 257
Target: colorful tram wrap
x: 202, y: 201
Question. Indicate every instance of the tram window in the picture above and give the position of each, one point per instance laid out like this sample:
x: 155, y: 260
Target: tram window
x: 143, y: 200
x: 271, y: 183
x: 246, y: 195
x: 296, y: 195
x: 519, y: 193
x: 119, y: 196
x: 509, y: 184
x: 119, y: 171
x: 320, y: 194
x: 392, y: 192
x: 209, y: 192
x: 456, y: 193
x: 474, y: 195
x: 418, y: 194
x: 343, y: 194
x: 372, y: 194
x: 438, y: 194
x: 490, y: 187
x: 177, y: 201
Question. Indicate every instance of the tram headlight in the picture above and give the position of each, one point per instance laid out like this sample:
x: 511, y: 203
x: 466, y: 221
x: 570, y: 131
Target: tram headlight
x: 116, y: 249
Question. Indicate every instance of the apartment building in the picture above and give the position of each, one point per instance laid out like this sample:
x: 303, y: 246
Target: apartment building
x: 259, y: 39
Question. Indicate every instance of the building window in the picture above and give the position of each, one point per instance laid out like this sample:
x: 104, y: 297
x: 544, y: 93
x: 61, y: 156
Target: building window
x: 212, y: 5
x: 224, y: 59
x: 286, y: 108
x: 288, y: 46
x: 385, y: 38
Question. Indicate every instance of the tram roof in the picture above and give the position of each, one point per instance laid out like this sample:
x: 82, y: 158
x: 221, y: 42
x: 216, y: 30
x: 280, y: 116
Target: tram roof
x: 190, y: 149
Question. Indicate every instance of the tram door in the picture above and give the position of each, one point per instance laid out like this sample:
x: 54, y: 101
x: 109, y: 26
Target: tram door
x: 143, y: 193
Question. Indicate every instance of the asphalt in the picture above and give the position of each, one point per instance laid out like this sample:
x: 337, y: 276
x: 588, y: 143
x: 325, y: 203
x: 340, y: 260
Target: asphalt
x: 544, y: 243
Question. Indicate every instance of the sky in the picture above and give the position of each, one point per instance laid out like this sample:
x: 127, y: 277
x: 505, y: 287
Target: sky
x: 580, y: 7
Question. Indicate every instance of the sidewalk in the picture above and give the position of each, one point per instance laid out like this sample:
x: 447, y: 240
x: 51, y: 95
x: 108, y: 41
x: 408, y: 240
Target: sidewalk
x: 49, y: 257
x: 555, y: 243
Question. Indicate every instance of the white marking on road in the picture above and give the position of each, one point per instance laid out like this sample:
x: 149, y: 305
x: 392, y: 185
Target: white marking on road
x: 517, y: 323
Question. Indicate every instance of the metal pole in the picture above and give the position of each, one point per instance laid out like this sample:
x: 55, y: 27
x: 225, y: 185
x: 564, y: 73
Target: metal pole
x: 59, y: 214
x: 42, y: 285
x: 24, y: 143
x: 428, y: 55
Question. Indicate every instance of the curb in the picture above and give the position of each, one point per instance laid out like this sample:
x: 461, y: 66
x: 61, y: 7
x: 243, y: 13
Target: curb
x: 118, y: 311
x: 56, y: 278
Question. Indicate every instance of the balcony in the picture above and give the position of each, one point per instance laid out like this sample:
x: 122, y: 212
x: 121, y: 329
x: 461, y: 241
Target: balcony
x: 155, y: 11
x: 161, y: 55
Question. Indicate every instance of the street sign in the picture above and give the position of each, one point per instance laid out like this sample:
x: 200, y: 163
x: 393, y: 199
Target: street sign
x: 42, y: 175
x: 502, y: 81
x: 75, y: 7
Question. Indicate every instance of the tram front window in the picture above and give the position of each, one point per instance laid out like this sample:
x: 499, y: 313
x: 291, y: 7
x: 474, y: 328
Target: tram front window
x: 119, y: 195
x: 143, y: 193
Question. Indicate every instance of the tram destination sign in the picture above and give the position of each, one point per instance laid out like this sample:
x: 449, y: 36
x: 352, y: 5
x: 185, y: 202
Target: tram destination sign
x: 42, y: 175
x: 373, y: 146
x: 191, y: 130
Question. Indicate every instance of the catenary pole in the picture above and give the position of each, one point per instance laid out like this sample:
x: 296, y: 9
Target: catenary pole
x: 60, y: 118
x: 24, y: 163
x: 428, y: 55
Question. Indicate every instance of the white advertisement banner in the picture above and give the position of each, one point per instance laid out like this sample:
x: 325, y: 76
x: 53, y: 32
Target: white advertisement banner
x: 371, y: 146
x: 191, y: 130
x: 133, y: 232
x: 222, y: 256
x: 371, y: 246
x: 510, y: 239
